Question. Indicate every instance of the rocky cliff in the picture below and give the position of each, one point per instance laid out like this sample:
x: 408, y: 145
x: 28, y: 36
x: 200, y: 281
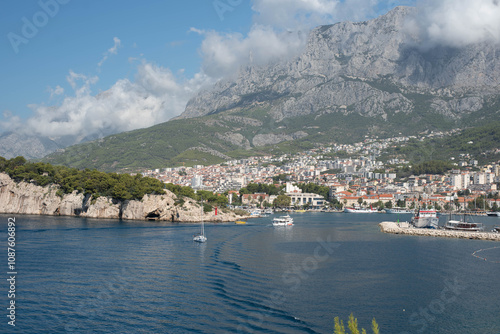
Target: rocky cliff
x: 27, y: 198
x: 375, y: 68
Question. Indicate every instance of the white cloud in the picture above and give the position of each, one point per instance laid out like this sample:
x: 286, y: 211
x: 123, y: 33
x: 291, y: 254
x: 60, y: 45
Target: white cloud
x: 288, y: 13
x: 280, y: 31
x: 223, y: 54
x: 457, y: 23
x: 111, y: 51
x: 55, y: 91
x: 155, y: 96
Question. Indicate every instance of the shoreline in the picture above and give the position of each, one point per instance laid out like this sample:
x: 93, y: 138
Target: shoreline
x: 407, y: 229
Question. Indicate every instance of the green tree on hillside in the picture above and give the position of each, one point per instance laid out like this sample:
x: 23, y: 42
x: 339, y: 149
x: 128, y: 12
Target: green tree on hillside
x: 89, y: 182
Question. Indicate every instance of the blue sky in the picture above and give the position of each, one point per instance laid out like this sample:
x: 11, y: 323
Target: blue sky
x: 81, y: 31
x: 98, y: 67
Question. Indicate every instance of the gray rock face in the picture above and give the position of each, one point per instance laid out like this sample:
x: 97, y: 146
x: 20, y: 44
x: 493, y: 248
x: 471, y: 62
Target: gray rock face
x: 270, y: 139
x: 14, y: 144
x: 373, y: 68
x: 27, y: 198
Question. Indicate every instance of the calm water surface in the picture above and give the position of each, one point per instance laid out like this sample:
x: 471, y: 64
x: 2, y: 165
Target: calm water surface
x: 109, y: 276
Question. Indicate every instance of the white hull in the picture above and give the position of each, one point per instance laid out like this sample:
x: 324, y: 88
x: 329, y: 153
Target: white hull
x: 358, y: 210
x: 457, y: 225
x: 425, y: 219
x: 399, y: 211
x: 283, y: 221
x: 200, y: 238
x: 494, y: 214
x: 429, y: 222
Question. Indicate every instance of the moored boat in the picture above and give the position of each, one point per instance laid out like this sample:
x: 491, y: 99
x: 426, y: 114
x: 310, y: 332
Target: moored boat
x: 425, y: 219
x: 459, y: 225
x: 283, y: 221
x: 494, y: 214
x: 399, y: 210
x: 360, y: 210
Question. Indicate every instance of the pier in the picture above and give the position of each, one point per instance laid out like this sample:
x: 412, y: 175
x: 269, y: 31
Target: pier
x: 406, y: 228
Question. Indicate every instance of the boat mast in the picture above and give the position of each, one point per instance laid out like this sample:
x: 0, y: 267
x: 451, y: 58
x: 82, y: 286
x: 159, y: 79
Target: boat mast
x: 202, y: 222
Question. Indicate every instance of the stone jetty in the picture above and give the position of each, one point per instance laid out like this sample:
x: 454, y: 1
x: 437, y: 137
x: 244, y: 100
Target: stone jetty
x: 406, y: 228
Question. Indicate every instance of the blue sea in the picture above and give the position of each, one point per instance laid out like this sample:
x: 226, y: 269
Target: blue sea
x: 79, y: 275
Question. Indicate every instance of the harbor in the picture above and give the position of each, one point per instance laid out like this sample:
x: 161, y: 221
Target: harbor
x: 408, y: 229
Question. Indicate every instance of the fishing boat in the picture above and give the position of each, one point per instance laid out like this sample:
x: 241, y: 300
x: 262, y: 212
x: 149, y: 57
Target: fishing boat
x: 201, y: 236
x: 425, y: 219
x: 283, y: 221
x: 360, y: 210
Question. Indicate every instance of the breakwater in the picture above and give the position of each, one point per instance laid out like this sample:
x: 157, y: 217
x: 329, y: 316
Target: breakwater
x: 405, y: 228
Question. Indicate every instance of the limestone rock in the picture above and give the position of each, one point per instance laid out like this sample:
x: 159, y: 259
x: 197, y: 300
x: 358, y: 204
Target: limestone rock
x: 27, y: 198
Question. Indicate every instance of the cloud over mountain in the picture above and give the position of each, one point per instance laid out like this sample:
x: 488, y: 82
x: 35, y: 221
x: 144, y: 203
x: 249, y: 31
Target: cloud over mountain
x: 154, y: 96
x: 279, y: 31
x: 456, y: 23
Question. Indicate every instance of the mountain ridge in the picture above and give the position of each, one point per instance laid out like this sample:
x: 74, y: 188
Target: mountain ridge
x: 352, y: 80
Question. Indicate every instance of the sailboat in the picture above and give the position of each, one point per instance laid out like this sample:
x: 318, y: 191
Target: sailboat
x: 201, y: 237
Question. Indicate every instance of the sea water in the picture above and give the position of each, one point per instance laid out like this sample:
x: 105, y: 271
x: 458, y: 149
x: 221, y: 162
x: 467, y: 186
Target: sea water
x: 109, y: 276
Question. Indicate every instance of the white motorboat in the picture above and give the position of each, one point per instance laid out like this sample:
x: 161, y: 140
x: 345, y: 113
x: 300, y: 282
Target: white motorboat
x: 283, y: 221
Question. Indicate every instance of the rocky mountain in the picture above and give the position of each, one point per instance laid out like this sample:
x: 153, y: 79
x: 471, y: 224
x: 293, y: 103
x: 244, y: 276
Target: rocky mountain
x: 373, y: 68
x: 31, y: 147
x: 353, y: 79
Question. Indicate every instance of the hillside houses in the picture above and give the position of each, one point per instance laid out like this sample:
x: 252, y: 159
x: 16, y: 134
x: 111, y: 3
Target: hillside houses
x: 351, y: 180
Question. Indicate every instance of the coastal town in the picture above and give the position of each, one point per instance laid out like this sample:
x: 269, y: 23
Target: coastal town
x: 354, y: 175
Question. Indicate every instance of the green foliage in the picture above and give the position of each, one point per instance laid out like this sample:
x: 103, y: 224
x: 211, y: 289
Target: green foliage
x: 282, y: 201
x: 209, y: 197
x: 426, y: 167
x: 241, y: 212
x: 352, y: 324
x: 480, y: 142
x: 254, y: 188
x: 280, y: 177
x: 88, y: 182
x: 375, y: 328
x: 315, y: 189
x: 339, y: 326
